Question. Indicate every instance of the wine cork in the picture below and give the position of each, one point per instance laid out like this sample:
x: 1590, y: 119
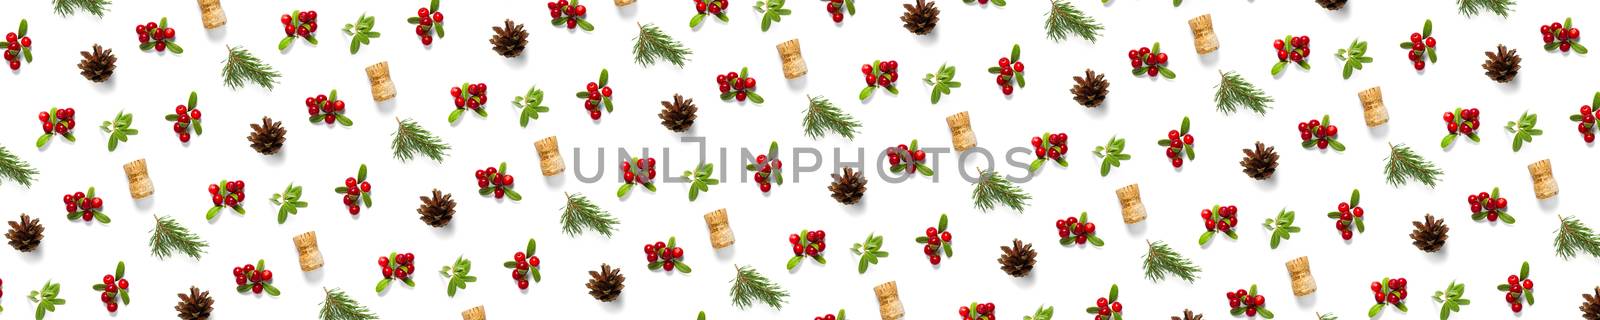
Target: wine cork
x: 1372, y: 105
x: 310, y: 255
x: 211, y: 14
x: 1132, y: 206
x: 794, y: 65
x: 382, y: 87
x: 721, y: 234
x: 1300, y: 276
x: 476, y: 313
x: 550, y: 156
x: 1205, y: 39
x: 961, y: 135
x: 889, y: 301
x: 1544, y: 183
x: 139, y: 185
x: 622, y: 3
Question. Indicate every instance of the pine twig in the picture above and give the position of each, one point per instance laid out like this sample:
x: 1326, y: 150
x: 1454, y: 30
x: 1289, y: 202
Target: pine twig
x: 1235, y: 92
x: 652, y: 45
x: 1574, y: 236
x: 750, y: 286
x: 15, y: 169
x: 243, y: 66
x: 1162, y: 261
x: 822, y: 117
x: 1064, y: 20
x: 1471, y: 8
x: 1405, y: 164
x: 411, y: 139
x: 992, y: 189
x: 337, y: 305
x: 169, y: 237
x: 580, y: 213
x: 69, y: 7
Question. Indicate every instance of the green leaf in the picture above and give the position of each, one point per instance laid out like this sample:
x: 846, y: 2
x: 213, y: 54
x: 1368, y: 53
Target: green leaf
x: 1016, y: 50
x: 944, y: 222
x: 1524, y: 273
x: 433, y: 6
x: 1427, y: 28
x: 695, y: 21
x: 361, y: 175
x: 1113, y: 295
x: 1278, y: 68
x: 1206, y: 237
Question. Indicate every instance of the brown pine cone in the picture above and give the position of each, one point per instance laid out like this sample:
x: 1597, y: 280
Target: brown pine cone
x: 1261, y: 162
x: 196, y: 305
x: 1018, y: 259
x: 1502, y: 65
x: 1430, y: 236
x: 97, y: 66
x: 1091, y: 89
x: 920, y: 19
x: 679, y: 114
x: 438, y: 210
x: 849, y: 187
x: 268, y: 137
x: 510, y: 40
x: 25, y: 234
x: 606, y: 285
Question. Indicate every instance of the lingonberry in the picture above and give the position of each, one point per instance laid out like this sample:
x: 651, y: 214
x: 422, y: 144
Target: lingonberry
x: 1179, y: 144
x: 85, y: 206
x: 1051, y: 147
x: 1009, y: 71
x: 186, y: 118
x: 158, y: 37
x: 1422, y: 45
x: 936, y: 240
x: 497, y: 181
x: 113, y: 287
x: 1292, y: 49
x: 640, y: 171
x: 298, y: 24
x: 469, y: 96
x: 807, y: 243
x: 57, y: 122
x: 1221, y: 219
x: 977, y: 311
x: 1077, y: 230
x: 18, y: 46
x: 738, y: 86
x: 226, y: 194
x: 597, y: 95
x: 327, y: 109
x: 1460, y: 122
x: 1388, y: 292
x: 1518, y: 289
x: 1248, y: 303
x: 1586, y: 119
x: 574, y: 15
x: 429, y: 22
x: 836, y: 10
x: 908, y: 159
x: 1321, y: 134
x: 880, y: 74
x: 768, y: 169
x: 1562, y: 36
x: 1150, y: 61
x: 1349, y: 216
x: 1107, y: 307
x: 702, y: 8
x: 1490, y: 206
x: 255, y: 278
x: 395, y: 266
x: 666, y: 256
x: 356, y: 191
x: 524, y: 265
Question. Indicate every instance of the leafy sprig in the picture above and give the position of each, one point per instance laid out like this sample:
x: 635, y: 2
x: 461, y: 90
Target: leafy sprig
x: 25, y: 52
x: 1522, y: 293
x: 1353, y: 57
x: 1471, y: 8
x: 801, y: 256
x: 1281, y: 227
x: 1111, y: 154
x: 700, y: 180
x: 1222, y: 223
x: 944, y: 224
x: 241, y: 66
x: 822, y: 117
x: 1427, y: 32
x: 1385, y: 290
x: 1451, y: 299
x: 1065, y: 20
x: 15, y: 169
x: 459, y: 274
x: 1240, y: 310
x: 1573, y: 236
x: 942, y: 81
x: 1162, y: 261
x: 70, y: 7
x: 1523, y: 130
x: 1284, y: 61
x: 579, y: 214
x: 46, y: 299
x: 1466, y: 127
x: 169, y: 237
x: 1234, y: 92
x: 337, y: 305
x: 771, y: 11
x: 294, y: 20
x: 908, y: 162
x: 289, y: 202
x: 750, y: 286
x: 119, y: 129
x: 361, y: 34
x: 116, y: 292
x: 1043, y: 313
x: 50, y: 117
x: 1110, y: 299
x: 653, y: 45
x: 366, y: 196
x: 1404, y: 164
x: 992, y: 189
x: 410, y: 140
x: 605, y: 78
x: 870, y: 251
x: 1183, y: 130
x: 531, y: 103
x: 1355, y: 202
x: 399, y: 272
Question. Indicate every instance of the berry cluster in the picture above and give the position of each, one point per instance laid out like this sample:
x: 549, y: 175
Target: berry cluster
x: 113, y: 287
x: 837, y: 9
x: 186, y: 117
x: 57, y: 121
x: 596, y: 94
x: 768, y: 168
x: 430, y: 22
x: 1179, y: 144
x: 396, y: 266
x: 19, y: 46
x: 524, y: 265
x: 1219, y: 219
x: 1049, y: 146
x: 908, y: 159
x: 327, y: 108
x: 226, y: 194
x: 497, y: 181
x: 469, y: 97
x: 1107, y: 308
x: 1350, y: 215
x: 936, y: 239
x: 1388, y: 292
x: 1462, y: 122
x: 1248, y: 303
x: 1422, y: 44
x: 1149, y: 61
x: 880, y: 74
x: 1077, y: 230
x: 157, y: 36
x: 1491, y: 206
x: 1585, y: 119
x: 298, y: 24
x: 977, y: 311
x: 1009, y: 71
x: 1321, y: 134
x: 356, y: 191
x: 1292, y: 49
x: 640, y: 171
x: 666, y: 256
x: 738, y: 86
x: 1518, y: 288
x: 1556, y: 35
x: 702, y: 8
x: 254, y: 278
x: 831, y: 316
x: 570, y: 13
x: 85, y: 206
x: 810, y: 245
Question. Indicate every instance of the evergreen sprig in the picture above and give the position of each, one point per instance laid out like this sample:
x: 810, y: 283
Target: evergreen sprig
x: 1162, y: 261
x: 15, y: 169
x: 1235, y: 92
x: 458, y: 275
x: 1574, y: 236
x: 580, y: 214
x: 653, y: 45
x: 289, y: 202
x: 361, y: 32
x: 241, y: 66
x: 750, y: 286
x: 870, y: 251
x: 1471, y: 8
x: 823, y: 117
x: 1065, y: 20
x: 337, y: 305
x: 1282, y: 227
x: 69, y: 7
x: 1405, y: 164
x: 992, y: 189
x: 1523, y: 130
x: 119, y: 129
x: 169, y: 237
x: 410, y: 139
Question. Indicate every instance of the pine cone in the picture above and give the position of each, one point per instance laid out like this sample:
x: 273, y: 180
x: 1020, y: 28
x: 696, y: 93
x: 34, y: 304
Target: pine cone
x: 1017, y: 260
x: 1332, y: 4
x: 606, y: 284
x: 920, y: 19
x: 25, y: 236
x: 194, y: 306
x: 1591, y: 305
x: 1261, y: 162
x: 1091, y: 89
x: 1430, y: 236
x: 678, y: 115
x: 98, y: 65
x: 267, y: 137
x: 849, y: 187
x: 510, y: 40
x: 438, y: 210
x: 1502, y: 66
x: 1190, y: 315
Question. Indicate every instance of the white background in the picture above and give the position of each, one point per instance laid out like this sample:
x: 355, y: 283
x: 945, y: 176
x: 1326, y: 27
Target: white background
x: 968, y: 36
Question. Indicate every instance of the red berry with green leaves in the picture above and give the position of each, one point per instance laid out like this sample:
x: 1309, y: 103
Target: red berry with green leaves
x: 1077, y: 231
x: 1490, y: 206
x: 703, y: 9
x: 908, y: 159
x: 1518, y: 289
x: 157, y: 36
x: 186, y: 118
x: 497, y: 181
x: 1388, y: 292
x: 1008, y: 72
x: 85, y: 206
x: 1562, y: 36
x: 738, y: 86
x: 1320, y: 134
x: 226, y: 195
x: 936, y: 241
x: 597, y: 95
x: 298, y: 24
x: 254, y: 278
x: 666, y: 256
x: 977, y: 311
x: 469, y: 97
x: 1292, y: 50
x: 573, y: 15
x: 1461, y: 122
x: 429, y: 22
x: 327, y: 109
x: 1248, y: 303
x: 1421, y: 47
x: 524, y: 265
x: 1107, y: 307
x: 356, y: 191
x: 808, y: 244
x: 880, y: 73
x: 113, y: 288
x: 18, y: 46
x: 1349, y: 216
x: 1179, y: 144
x: 1150, y: 61
x: 1586, y: 119
x: 1219, y: 219
x: 396, y: 267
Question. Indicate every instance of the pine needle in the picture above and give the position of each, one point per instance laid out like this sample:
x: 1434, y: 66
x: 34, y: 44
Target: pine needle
x: 1065, y: 20
x: 822, y: 117
x: 1162, y: 261
x: 992, y: 189
x: 1574, y: 236
x: 652, y: 45
x: 1235, y: 92
x: 339, y: 306
x: 69, y: 7
x: 1471, y: 8
x: 581, y: 214
x: 242, y: 66
x: 1405, y: 164
x: 749, y: 286
x: 411, y: 139
x: 15, y: 169
x: 168, y: 237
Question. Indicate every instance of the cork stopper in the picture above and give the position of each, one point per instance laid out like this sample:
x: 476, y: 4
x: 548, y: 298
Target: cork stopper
x: 794, y: 65
x: 1300, y: 276
x: 961, y: 131
x: 382, y: 87
x: 476, y: 313
x: 1372, y: 105
x: 721, y: 234
x: 1205, y: 40
x: 622, y: 3
x: 1132, y: 206
x: 549, y: 156
x: 889, y: 301
x: 138, y: 179
x: 211, y: 14
x: 310, y: 255
x: 1544, y: 183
